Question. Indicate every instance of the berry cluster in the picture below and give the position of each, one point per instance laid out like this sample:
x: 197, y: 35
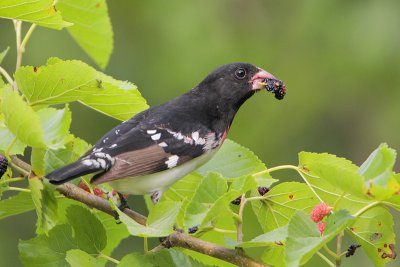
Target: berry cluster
x: 319, y: 213
x: 3, y: 165
x: 275, y: 86
x: 97, y: 191
x: 352, y: 249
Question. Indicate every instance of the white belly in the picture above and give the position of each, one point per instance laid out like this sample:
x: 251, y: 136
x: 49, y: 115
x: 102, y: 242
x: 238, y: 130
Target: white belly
x: 160, y: 181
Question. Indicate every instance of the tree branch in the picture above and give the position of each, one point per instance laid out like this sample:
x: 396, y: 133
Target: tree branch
x: 176, y: 239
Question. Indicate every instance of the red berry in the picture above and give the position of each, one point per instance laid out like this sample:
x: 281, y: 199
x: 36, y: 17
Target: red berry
x: 321, y: 227
x: 98, y: 192
x: 3, y: 165
x: 320, y: 211
x: 84, y: 186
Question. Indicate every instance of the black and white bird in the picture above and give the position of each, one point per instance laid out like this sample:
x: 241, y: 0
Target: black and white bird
x: 155, y: 148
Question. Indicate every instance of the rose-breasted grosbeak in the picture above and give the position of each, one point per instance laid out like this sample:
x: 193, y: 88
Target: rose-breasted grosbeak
x: 155, y: 148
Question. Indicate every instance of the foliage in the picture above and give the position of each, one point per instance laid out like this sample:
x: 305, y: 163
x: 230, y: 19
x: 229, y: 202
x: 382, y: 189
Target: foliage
x: 34, y: 113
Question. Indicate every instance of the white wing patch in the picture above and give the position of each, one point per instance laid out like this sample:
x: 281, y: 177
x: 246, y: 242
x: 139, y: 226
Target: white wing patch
x: 156, y: 137
x: 151, y: 131
x: 163, y: 144
x: 172, y: 161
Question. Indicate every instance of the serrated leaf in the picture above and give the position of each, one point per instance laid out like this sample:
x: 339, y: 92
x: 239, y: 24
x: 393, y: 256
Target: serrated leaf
x: 47, y: 251
x: 373, y: 230
x: 40, y: 12
x: 79, y: 258
x: 238, y: 187
x: 115, y: 232
x: 89, y: 232
x: 183, y: 191
x: 233, y: 160
x: 281, y: 203
x: 45, y: 204
x: 21, y: 119
x: 20, y: 203
x: 92, y: 27
x: 378, y: 171
x: 304, y: 238
x: 159, y: 223
x: 6, y: 138
x: 65, y: 81
x: 4, y: 53
x: 273, y: 238
x: 339, y: 172
x: 210, y: 189
x: 55, y: 125
x: 46, y: 161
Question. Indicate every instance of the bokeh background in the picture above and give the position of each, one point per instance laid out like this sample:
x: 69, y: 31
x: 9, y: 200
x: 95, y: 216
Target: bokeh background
x: 339, y: 59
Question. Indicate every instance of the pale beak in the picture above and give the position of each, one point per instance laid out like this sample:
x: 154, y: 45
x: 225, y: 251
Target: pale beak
x: 257, y: 80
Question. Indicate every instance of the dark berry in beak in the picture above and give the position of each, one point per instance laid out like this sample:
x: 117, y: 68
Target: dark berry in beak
x: 275, y: 86
x: 3, y: 165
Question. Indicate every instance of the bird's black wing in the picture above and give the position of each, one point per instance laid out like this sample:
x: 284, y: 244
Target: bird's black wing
x: 135, y: 149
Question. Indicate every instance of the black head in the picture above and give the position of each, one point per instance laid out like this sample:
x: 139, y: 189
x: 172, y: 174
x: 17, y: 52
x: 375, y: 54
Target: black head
x: 233, y: 84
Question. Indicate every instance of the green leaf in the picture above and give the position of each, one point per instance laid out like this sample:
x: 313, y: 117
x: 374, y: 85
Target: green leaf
x: 210, y: 189
x: 45, y: 203
x: 92, y: 27
x: 304, y: 239
x: 89, y: 232
x: 373, y: 230
x: 275, y: 256
x: 78, y: 258
x: 281, y: 203
x: 6, y: 138
x: 378, y: 171
x: 47, y: 251
x: 233, y: 160
x: 4, y: 53
x: 46, y: 161
x: 21, y: 119
x: 20, y: 203
x: 40, y: 12
x: 66, y: 81
x: 272, y: 238
x: 166, y: 257
x: 183, y: 191
x: 159, y: 223
x: 55, y: 126
x: 238, y: 187
x: 339, y: 172
x: 115, y: 232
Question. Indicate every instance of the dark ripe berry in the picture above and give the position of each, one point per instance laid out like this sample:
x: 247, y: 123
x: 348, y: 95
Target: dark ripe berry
x: 275, y: 86
x: 193, y: 229
x: 352, y: 249
x: 262, y: 190
x: 236, y: 201
x: 3, y: 165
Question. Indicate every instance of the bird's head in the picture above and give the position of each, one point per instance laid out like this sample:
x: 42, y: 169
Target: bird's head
x: 235, y: 83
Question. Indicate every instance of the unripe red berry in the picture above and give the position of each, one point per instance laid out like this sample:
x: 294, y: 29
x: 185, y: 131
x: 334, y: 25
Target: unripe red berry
x: 98, y: 192
x: 84, y: 186
x: 320, y: 211
x: 3, y: 165
x: 321, y: 227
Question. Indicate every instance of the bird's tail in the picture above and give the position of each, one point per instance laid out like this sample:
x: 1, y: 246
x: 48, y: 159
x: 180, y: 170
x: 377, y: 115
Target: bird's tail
x: 72, y: 171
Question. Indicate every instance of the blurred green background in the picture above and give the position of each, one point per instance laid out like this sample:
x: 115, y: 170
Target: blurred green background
x: 339, y: 59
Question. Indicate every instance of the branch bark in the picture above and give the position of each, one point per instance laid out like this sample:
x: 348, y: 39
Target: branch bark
x: 176, y: 239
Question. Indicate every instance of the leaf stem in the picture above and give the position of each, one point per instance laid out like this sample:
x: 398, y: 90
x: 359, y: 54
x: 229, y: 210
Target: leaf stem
x: 10, y: 146
x: 224, y: 231
x: 240, y: 223
x: 101, y: 255
x: 309, y: 185
x: 330, y: 252
x: 322, y: 256
x: 145, y: 244
x: 364, y: 209
x: 256, y: 198
x: 17, y: 27
x: 339, y: 240
x: 277, y: 168
x: 12, y: 188
x: 27, y: 37
x: 7, y: 76
x: 11, y: 180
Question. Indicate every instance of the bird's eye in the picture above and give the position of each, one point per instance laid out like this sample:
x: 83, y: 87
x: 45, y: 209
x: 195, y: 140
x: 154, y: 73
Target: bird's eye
x: 240, y: 73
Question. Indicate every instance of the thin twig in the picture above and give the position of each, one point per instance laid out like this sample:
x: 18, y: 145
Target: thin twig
x: 339, y: 240
x: 240, y: 223
x: 322, y: 256
x: 101, y: 255
x: 27, y: 37
x: 17, y: 27
x: 7, y: 76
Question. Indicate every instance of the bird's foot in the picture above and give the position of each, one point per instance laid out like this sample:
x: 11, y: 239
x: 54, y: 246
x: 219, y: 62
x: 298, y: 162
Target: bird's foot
x: 156, y: 196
